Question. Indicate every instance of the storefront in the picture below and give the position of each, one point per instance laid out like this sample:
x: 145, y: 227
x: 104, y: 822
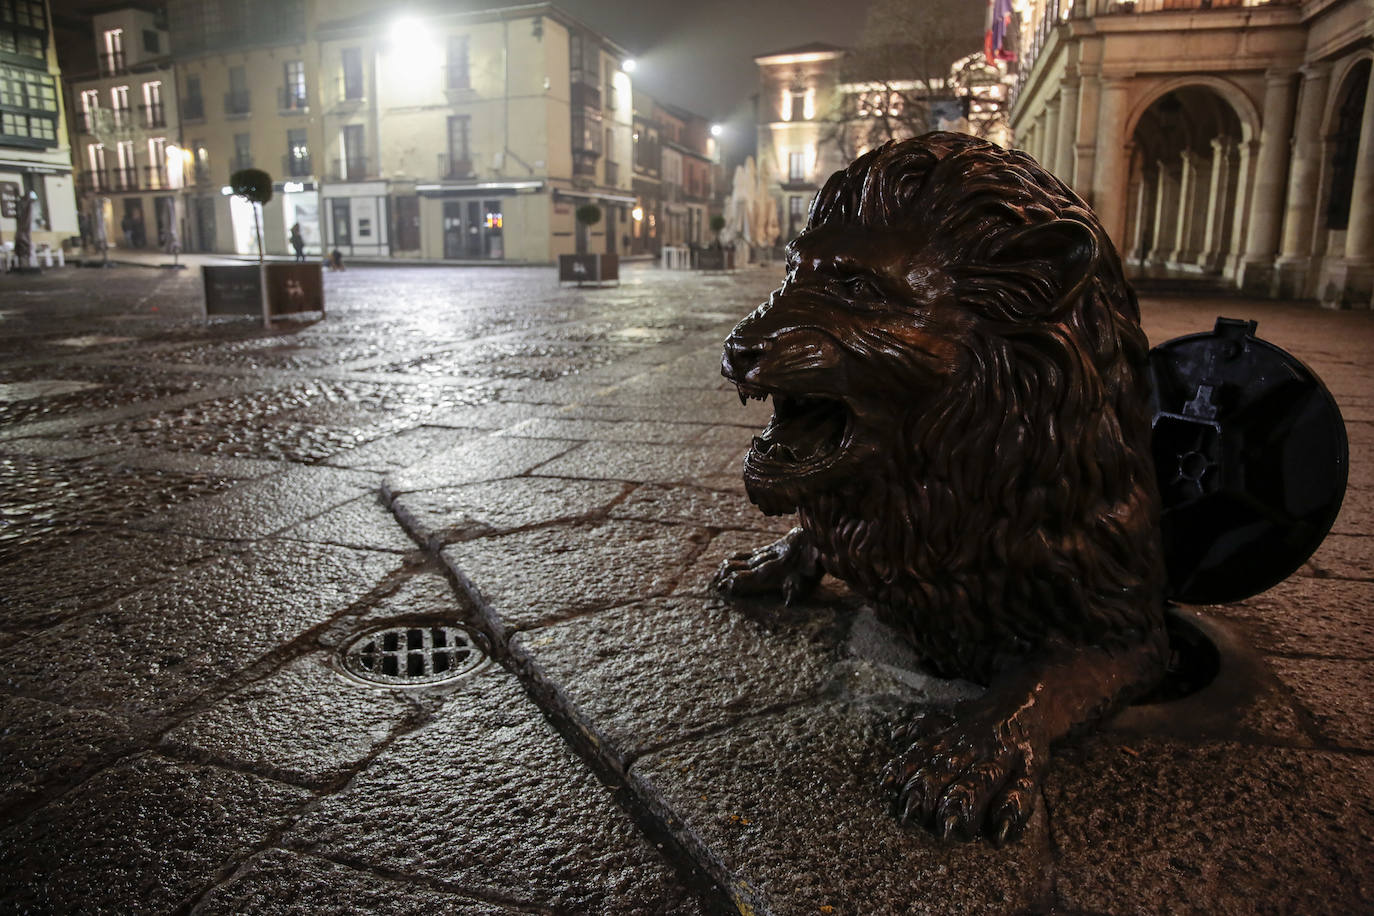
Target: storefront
x: 355, y: 221
x: 482, y: 221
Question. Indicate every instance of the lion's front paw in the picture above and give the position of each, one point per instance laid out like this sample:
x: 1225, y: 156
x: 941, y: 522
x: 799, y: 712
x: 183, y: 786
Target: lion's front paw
x: 789, y: 566
x: 962, y: 776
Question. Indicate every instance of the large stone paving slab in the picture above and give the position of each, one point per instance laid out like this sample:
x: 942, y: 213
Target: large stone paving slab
x: 153, y: 651
x: 489, y: 799
x: 488, y: 458
x: 278, y: 883
x: 94, y: 570
x: 437, y: 517
x: 43, y: 744
x: 145, y: 836
x: 651, y: 674
x: 364, y: 523
x: 262, y: 507
x: 788, y: 810
x: 541, y: 575
x: 305, y: 724
x: 1306, y: 616
x: 1163, y: 827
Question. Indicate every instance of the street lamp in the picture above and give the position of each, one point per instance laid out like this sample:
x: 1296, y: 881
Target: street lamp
x: 629, y: 65
x: 717, y: 130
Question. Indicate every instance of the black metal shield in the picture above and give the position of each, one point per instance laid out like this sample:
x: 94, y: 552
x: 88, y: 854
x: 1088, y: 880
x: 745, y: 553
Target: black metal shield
x: 1251, y: 456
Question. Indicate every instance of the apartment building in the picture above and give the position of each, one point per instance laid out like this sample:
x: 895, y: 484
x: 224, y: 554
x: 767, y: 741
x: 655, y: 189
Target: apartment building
x: 1233, y: 138
x: 444, y: 134
x: 685, y: 179
x: 35, y: 158
x: 821, y: 105
x: 473, y: 135
x: 125, y: 131
x: 799, y: 88
x: 247, y: 80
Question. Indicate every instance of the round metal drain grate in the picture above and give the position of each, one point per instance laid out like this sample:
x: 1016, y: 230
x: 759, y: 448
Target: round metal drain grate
x: 411, y: 654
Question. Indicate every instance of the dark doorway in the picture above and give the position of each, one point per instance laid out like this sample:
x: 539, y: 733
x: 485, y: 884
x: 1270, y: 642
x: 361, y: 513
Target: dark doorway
x: 204, y: 223
x: 407, y: 223
x: 135, y: 231
x: 162, y: 206
x: 453, y: 230
x: 342, y: 221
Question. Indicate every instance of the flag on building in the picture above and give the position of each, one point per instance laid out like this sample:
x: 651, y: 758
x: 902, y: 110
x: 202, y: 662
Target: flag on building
x: 995, y: 38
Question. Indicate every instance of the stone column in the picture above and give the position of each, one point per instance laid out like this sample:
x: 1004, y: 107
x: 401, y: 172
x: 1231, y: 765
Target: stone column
x: 1189, y: 199
x: 1068, y: 131
x: 1240, y: 224
x: 1166, y: 214
x: 1088, y: 136
x: 1050, y: 153
x: 1112, y: 162
x: 1295, y: 256
x: 1142, y: 229
x: 1213, y: 256
x: 1271, y: 174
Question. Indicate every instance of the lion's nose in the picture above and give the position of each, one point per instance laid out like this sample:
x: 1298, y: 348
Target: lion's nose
x: 741, y: 356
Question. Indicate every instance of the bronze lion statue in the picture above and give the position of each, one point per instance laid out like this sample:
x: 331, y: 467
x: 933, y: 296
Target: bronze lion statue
x: 961, y: 422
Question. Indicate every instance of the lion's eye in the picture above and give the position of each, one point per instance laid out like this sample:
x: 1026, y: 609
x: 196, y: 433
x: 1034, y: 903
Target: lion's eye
x: 862, y: 288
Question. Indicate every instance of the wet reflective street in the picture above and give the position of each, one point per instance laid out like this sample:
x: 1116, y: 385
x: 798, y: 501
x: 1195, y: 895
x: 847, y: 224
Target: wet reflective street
x: 197, y: 520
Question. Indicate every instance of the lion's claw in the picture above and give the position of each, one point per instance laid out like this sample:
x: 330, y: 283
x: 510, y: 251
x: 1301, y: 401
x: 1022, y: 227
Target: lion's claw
x: 789, y: 566
x: 962, y: 777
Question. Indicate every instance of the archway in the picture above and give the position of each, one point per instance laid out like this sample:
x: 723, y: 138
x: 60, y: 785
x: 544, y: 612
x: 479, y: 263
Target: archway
x: 1344, y: 140
x: 1188, y: 167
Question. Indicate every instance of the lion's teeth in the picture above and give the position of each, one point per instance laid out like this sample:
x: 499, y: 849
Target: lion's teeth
x: 743, y: 398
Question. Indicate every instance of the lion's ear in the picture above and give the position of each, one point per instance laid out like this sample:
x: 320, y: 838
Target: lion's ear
x: 1061, y: 253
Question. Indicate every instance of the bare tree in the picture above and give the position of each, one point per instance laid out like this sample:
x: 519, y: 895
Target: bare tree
x: 898, y: 82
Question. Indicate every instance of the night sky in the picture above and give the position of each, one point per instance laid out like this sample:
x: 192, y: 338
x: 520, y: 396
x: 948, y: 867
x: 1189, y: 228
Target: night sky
x: 701, y: 55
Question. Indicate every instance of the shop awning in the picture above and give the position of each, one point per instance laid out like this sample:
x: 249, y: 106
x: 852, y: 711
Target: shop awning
x: 593, y: 195
x: 476, y: 188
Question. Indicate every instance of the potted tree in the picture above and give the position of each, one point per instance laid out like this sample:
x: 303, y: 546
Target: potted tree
x: 583, y: 268
x: 276, y: 289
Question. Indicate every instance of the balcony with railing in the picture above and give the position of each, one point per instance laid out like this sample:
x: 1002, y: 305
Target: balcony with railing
x: 201, y: 175
x: 238, y: 103
x: 292, y: 100
x: 453, y: 167
x: 585, y: 96
x: 153, y: 115
x: 123, y: 178
x: 296, y: 166
x: 353, y: 168
x: 112, y: 63
x: 155, y: 178
x: 193, y: 108
x: 1054, y: 12
x: 89, y: 121
x: 121, y: 118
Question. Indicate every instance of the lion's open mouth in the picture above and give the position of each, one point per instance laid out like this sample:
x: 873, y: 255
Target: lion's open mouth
x: 806, y: 434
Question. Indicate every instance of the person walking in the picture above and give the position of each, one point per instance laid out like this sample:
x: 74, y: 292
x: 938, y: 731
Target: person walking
x: 298, y: 242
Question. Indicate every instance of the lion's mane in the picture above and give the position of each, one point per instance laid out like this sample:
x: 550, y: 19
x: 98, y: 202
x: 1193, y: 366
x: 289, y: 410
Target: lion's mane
x: 1017, y: 510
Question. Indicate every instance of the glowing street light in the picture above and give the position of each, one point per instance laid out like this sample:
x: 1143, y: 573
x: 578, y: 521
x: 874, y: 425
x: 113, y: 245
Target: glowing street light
x: 629, y: 65
x: 717, y: 130
x: 637, y: 213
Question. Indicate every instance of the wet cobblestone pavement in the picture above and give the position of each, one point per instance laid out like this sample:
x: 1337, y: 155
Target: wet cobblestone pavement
x: 195, y: 520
